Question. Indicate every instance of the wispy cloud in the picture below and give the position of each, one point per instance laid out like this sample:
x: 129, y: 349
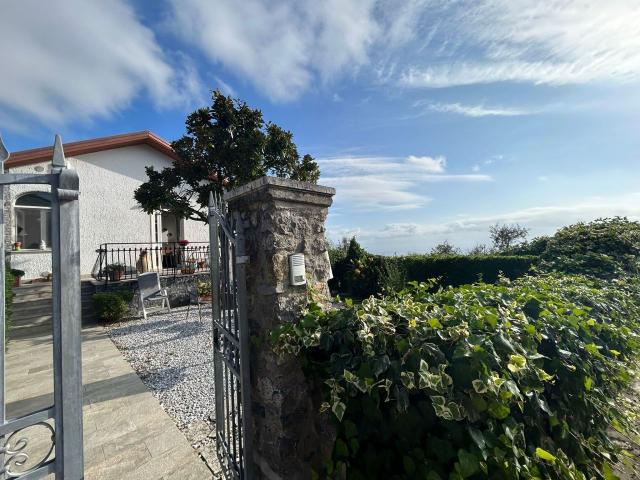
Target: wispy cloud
x: 285, y: 48
x: 573, y: 41
x: 225, y: 87
x: 387, y: 183
x: 464, y: 230
x: 474, y: 110
x: 428, y: 164
x: 77, y: 60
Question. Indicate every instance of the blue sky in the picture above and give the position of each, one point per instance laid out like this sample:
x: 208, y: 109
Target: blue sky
x: 433, y: 119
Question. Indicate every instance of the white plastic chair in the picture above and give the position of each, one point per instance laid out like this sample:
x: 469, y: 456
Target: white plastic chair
x: 150, y: 290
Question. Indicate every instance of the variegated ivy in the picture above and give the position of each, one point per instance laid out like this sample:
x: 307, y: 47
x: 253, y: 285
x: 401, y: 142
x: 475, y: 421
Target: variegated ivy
x: 514, y: 380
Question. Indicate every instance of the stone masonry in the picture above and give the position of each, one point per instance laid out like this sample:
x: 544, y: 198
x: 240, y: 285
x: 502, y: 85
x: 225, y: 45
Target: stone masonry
x: 280, y: 217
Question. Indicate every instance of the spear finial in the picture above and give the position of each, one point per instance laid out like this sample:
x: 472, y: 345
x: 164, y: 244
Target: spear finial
x: 58, y: 153
x: 4, y: 153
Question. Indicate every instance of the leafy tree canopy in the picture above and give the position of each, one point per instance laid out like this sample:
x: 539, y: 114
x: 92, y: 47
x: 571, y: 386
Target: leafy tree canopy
x: 444, y: 248
x: 506, y: 236
x: 226, y: 145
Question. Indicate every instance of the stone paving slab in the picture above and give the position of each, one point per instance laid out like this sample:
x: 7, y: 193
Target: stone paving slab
x: 127, y: 434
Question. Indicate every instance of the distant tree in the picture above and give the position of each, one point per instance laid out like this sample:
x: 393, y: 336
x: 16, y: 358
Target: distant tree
x: 444, y: 248
x: 337, y: 250
x: 226, y: 145
x: 506, y: 236
x: 479, y: 249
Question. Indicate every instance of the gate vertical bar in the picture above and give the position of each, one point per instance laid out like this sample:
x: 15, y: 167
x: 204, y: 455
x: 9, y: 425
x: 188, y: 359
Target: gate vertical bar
x: 245, y: 370
x: 4, y: 155
x: 214, y: 269
x: 66, y: 319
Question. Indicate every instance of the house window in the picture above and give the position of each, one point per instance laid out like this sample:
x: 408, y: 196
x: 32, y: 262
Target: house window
x: 33, y: 220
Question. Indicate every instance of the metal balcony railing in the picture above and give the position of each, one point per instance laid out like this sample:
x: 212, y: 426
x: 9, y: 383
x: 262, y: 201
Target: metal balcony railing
x: 124, y: 261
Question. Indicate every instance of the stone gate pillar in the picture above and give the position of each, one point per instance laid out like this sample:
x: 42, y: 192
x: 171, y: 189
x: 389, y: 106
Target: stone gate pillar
x: 281, y: 217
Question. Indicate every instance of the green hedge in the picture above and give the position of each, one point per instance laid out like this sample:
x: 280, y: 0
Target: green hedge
x: 112, y: 306
x: 458, y: 270
x: 368, y: 274
x: 514, y: 380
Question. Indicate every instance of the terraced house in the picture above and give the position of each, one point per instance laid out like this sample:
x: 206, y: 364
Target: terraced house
x: 117, y: 239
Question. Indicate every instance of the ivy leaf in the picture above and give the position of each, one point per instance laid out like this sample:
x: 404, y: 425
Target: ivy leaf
x: 499, y: 411
x: 350, y: 429
x: 468, y: 463
x: 407, y: 379
x: 409, y: 465
x: 478, y: 438
x: 479, y: 386
x: 358, y: 382
x: 544, y: 455
x: 434, y: 323
x: 338, y: 409
x: 516, y: 363
x: 341, y: 448
x: 607, y: 472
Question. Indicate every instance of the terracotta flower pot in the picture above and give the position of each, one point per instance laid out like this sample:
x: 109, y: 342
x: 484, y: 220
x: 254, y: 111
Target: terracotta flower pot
x: 115, y: 275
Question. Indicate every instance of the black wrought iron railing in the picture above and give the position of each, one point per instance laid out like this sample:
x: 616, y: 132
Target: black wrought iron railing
x: 124, y: 261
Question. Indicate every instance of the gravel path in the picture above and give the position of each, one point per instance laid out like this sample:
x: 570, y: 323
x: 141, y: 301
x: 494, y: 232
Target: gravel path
x: 173, y: 356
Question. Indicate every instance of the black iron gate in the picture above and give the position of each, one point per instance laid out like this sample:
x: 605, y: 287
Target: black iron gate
x: 230, y: 342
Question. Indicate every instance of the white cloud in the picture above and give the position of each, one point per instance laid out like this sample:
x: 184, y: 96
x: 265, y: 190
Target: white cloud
x: 428, y: 164
x: 279, y: 47
x: 560, y: 42
x: 78, y: 59
x: 475, y: 110
x: 287, y: 48
x: 389, y: 183
x: 373, y: 192
x: 465, y: 231
x: 225, y: 87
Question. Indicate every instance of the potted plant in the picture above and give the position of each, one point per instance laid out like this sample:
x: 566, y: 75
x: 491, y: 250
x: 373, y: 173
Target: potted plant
x: 115, y: 271
x: 183, y: 242
x: 17, y: 245
x: 17, y: 275
x: 189, y: 266
x: 204, y: 291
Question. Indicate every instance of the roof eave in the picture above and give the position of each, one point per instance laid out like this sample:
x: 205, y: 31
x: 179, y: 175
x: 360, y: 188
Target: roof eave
x: 74, y: 149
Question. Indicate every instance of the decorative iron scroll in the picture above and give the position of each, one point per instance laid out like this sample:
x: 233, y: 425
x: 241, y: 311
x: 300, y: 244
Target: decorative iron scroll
x: 16, y: 455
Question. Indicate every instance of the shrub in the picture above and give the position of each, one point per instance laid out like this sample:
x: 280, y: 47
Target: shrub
x: 112, y: 306
x: 605, y: 248
x: 204, y: 288
x: 506, y: 381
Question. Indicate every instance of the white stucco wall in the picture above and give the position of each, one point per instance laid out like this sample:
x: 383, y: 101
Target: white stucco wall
x: 108, y: 211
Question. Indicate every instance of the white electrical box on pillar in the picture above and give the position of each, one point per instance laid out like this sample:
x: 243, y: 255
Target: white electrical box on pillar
x: 297, y: 274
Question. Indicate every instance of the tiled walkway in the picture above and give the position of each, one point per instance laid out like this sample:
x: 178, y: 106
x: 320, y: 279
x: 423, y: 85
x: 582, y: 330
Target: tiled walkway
x: 127, y: 434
